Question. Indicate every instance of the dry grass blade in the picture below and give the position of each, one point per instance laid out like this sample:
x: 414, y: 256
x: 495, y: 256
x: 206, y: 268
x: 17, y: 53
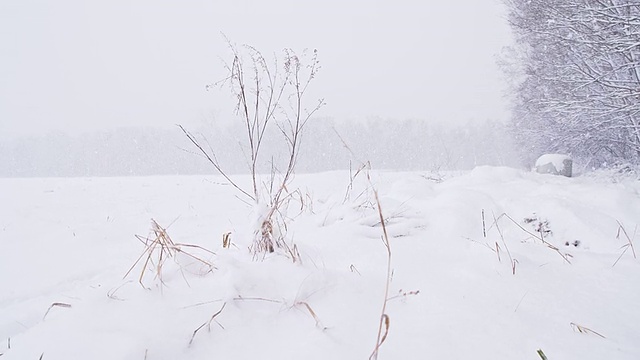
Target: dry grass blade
x: 353, y: 269
x: 226, y: 240
x: 241, y: 298
x: 512, y: 261
x: 629, y: 244
x: 520, y: 302
x: 201, y: 303
x: 313, y: 313
x: 56, y: 304
x: 178, y: 249
x: 625, y: 247
x: 629, y: 239
x: 541, y: 354
x: 207, y: 323
x: 111, y: 294
x: 293, y: 252
x: 352, y: 177
x: 585, y: 330
x: 484, y: 226
x: 8, y: 345
x: 492, y: 248
x: 386, y: 320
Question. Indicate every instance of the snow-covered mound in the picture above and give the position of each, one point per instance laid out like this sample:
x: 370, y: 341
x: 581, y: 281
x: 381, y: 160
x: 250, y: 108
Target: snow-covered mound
x: 556, y: 164
x: 492, y: 264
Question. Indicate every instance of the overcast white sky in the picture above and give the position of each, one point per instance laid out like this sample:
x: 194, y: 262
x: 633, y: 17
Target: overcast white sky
x: 71, y: 65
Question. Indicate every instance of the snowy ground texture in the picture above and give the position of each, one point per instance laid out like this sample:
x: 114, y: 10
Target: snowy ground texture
x: 65, y: 245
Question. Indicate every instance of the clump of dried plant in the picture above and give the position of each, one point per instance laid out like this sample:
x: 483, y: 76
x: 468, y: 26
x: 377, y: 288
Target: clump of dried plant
x: 159, y: 247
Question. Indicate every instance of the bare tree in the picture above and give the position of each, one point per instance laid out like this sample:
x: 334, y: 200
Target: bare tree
x: 269, y: 96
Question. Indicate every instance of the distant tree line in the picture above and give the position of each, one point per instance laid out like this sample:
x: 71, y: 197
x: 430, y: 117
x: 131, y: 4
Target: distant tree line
x: 328, y: 145
x: 577, y: 90
x: 121, y: 152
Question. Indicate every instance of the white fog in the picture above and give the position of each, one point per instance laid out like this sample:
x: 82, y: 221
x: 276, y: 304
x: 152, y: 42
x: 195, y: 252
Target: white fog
x: 94, y: 89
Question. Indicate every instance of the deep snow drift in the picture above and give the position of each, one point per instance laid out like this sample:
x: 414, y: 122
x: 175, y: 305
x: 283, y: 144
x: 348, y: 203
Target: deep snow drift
x: 453, y: 294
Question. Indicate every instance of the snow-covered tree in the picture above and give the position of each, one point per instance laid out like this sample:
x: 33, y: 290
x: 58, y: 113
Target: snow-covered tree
x: 580, y: 90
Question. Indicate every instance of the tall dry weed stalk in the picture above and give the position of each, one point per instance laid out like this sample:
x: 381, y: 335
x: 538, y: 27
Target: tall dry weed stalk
x: 269, y: 95
x: 384, y: 317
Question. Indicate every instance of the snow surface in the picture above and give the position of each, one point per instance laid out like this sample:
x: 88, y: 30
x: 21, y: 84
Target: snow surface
x: 71, y: 241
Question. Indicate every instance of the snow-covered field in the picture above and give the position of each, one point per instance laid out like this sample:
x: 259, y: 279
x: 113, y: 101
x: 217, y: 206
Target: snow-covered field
x: 65, y: 245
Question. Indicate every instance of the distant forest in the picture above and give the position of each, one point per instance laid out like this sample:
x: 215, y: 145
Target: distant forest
x: 327, y: 145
